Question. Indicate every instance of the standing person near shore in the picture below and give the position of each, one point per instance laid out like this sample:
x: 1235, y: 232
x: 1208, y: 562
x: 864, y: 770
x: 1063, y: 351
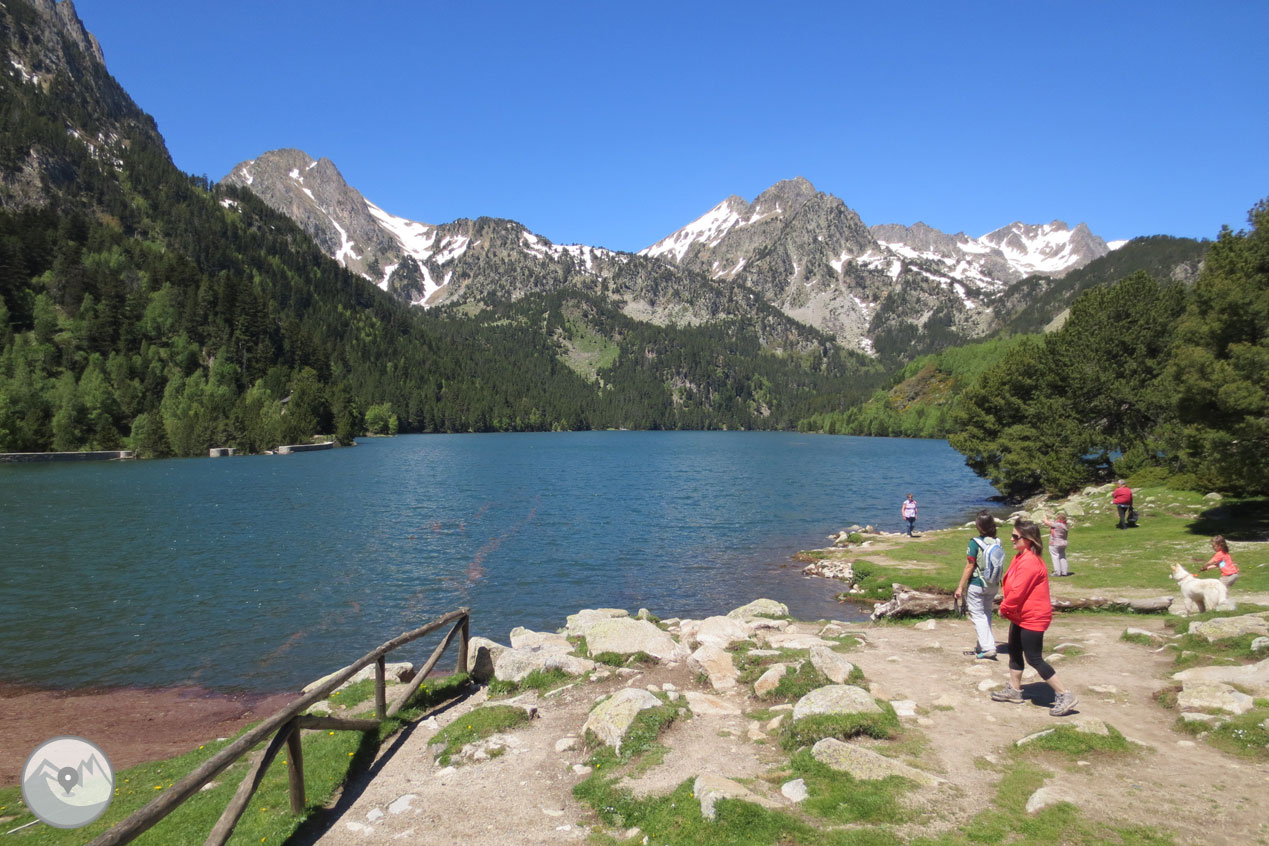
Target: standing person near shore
x: 977, y: 591
x: 908, y: 511
x: 1122, y: 498
x: 1229, y: 570
x: 1027, y: 607
x: 1058, y: 530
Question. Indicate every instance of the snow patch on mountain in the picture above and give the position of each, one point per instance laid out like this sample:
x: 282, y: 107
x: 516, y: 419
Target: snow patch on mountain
x: 708, y: 229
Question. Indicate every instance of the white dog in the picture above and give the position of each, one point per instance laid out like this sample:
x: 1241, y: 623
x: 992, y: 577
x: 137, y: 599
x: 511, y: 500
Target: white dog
x: 1199, y: 594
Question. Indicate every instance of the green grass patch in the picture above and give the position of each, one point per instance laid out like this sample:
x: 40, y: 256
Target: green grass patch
x: 808, y: 730
x: 1139, y: 639
x: 840, y: 798
x: 1196, y: 651
x: 476, y: 725
x: 618, y: 659
x: 676, y: 818
x: 1069, y: 741
x: 1244, y: 735
x: 540, y: 680
x: 1006, y: 820
x: 640, y: 738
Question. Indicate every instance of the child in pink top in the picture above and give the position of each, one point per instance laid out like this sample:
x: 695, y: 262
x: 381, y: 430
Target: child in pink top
x: 1229, y: 570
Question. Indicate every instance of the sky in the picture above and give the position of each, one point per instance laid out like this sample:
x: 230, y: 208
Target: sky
x: 616, y: 123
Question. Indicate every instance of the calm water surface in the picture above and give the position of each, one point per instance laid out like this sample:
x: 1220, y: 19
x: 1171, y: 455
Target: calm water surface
x: 266, y: 572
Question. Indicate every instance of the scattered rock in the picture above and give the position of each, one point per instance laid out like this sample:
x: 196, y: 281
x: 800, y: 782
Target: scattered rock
x: 1259, y: 644
x: 1107, y: 689
x: 836, y: 699
x: 795, y: 791
x: 522, y: 638
x: 611, y: 718
x: 482, y: 653
x: 843, y: 571
x: 760, y: 608
x: 580, y: 623
x: 564, y: 744
x: 792, y: 640
x: 721, y: 632
x: 709, y: 788
x: 1206, y: 695
x: 832, y: 664
x: 1223, y: 627
x: 402, y: 803
x: 1043, y: 798
x: 926, y: 626
x: 903, y: 707
x: 769, y: 680
x: 990, y: 684
x: 1252, y: 677
x: 1133, y: 631
x: 1084, y: 725
x: 715, y: 663
x: 515, y: 664
x: 862, y: 763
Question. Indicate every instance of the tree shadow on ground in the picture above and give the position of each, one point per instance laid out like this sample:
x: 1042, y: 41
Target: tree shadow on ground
x: 1245, y: 520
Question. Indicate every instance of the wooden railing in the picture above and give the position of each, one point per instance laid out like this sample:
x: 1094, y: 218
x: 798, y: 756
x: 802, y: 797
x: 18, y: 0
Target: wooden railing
x: 285, y: 725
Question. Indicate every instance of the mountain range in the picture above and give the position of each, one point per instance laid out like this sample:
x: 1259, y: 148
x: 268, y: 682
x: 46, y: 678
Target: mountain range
x: 800, y: 250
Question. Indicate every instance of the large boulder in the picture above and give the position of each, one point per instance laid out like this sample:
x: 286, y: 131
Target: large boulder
x: 759, y: 608
x: 715, y: 663
x: 522, y: 638
x: 580, y: 623
x: 792, y: 640
x: 708, y: 705
x: 832, y: 664
x: 1254, y: 678
x: 611, y: 718
x: 625, y: 636
x: 1205, y: 696
x: 1223, y: 627
x: 482, y: 653
x: 721, y: 632
x: 865, y: 764
x: 514, y: 665
x: 836, y: 699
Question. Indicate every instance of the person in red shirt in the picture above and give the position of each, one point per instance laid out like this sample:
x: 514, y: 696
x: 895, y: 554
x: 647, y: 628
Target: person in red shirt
x: 1122, y: 498
x: 1027, y: 607
x: 1229, y: 570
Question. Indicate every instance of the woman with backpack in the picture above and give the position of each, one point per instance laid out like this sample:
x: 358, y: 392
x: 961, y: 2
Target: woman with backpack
x: 976, y: 587
x: 1027, y: 607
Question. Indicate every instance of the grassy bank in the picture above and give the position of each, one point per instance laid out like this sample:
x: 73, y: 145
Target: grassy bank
x: 330, y: 757
x: 1174, y: 526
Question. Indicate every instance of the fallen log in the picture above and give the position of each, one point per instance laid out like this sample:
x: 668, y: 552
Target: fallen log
x: 908, y: 602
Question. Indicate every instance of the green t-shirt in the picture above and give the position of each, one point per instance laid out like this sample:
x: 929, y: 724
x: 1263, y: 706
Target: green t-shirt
x: 972, y: 552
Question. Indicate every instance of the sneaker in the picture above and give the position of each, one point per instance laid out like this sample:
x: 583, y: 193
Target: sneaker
x: 1009, y: 694
x: 1064, y: 704
x: 985, y: 656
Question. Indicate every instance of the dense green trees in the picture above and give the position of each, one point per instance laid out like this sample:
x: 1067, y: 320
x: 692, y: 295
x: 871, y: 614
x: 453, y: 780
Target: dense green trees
x: 1141, y: 374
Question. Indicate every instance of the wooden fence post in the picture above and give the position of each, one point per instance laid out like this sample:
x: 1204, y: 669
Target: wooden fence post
x: 463, y: 638
x: 381, y: 688
x: 295, y: 769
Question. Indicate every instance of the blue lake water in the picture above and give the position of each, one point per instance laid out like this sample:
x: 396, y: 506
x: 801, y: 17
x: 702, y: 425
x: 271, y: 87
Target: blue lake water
x: 265, y: 572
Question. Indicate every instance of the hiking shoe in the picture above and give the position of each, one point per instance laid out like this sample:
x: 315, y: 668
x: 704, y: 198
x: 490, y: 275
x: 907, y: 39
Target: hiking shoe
x: 1009, y: 694
x: 985, y: 656
x: 1064, y: 704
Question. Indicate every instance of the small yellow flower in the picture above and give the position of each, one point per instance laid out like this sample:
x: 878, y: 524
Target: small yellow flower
x: 158, y: 787
x: 332, y: 734
x: 350, y: 754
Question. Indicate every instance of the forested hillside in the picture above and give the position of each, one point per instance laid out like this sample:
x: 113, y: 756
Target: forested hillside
x: 1147, y: 377
x: 145, y: 308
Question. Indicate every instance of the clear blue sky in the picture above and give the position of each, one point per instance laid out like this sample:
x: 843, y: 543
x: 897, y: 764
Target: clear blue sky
x: 615, y: 123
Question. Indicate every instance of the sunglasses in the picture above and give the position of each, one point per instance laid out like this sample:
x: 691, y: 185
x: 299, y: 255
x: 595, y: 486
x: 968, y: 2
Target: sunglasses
x: 1016, y: 537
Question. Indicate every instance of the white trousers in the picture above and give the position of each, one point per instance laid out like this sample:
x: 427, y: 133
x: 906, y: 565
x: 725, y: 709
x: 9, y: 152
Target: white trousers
x: 1060, y: 565
x: 978, y: 602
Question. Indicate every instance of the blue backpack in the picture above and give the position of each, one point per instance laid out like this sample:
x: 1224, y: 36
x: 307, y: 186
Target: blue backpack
x: 991, y: 560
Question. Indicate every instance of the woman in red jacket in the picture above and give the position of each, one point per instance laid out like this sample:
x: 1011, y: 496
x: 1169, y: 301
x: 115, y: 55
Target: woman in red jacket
x: 1027, y: 607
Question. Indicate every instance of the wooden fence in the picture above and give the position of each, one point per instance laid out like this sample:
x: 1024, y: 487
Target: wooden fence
x: 285, y: 725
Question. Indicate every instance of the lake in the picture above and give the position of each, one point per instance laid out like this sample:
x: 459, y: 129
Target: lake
x: 265, y: 572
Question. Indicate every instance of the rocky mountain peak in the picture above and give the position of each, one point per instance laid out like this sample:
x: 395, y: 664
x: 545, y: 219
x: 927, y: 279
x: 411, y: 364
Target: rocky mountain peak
x: 62, y: 17
x: 784, y: 197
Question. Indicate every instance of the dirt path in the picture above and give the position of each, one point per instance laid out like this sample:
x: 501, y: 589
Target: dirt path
x: 525, y: 796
